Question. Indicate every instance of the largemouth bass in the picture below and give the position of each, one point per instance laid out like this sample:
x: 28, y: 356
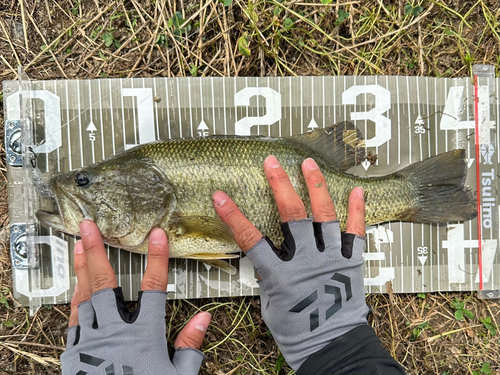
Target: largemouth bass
x: 169, y: 184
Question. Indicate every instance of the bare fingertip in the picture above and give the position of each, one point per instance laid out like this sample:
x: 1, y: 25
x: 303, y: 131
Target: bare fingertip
x: 309, y: 163
x: 78, y: 247
x: 360, y: 192
x: 157, y: 236
x: 219, y: 198
x: 85, y: 228
x: 202, y: 321
x: 272, y: 162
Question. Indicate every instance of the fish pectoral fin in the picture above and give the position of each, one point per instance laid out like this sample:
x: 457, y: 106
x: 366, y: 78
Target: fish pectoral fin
x: 200, y: 227
x: 221, y: 265
x: 206, y: 256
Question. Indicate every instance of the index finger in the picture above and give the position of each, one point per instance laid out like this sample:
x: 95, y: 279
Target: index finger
x: 101, y: 273
x: 156, y: 275
x: 246, y: 234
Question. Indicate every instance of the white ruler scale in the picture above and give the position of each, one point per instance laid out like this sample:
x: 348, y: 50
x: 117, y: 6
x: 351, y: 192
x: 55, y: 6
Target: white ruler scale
x: 403, y: 120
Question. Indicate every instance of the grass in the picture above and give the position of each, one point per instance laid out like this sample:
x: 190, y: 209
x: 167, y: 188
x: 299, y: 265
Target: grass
x: 438, y: 333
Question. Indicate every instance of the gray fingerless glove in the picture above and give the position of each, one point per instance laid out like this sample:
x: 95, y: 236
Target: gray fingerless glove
x: 312, y: 290
x: 112, y: 341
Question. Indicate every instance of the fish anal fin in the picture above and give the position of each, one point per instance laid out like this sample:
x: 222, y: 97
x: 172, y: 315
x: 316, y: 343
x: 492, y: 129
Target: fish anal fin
x: 221, y: 265
x: 207, y: 256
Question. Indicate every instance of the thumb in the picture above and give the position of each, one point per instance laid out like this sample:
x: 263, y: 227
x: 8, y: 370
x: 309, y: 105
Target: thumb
x: 193, y: 333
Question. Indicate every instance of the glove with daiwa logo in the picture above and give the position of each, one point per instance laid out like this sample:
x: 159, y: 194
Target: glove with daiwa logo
x: 312, y: 289
x: 110, y: 340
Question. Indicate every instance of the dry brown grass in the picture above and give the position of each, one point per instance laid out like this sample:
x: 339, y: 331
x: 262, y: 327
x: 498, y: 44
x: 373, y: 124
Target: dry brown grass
x: 65, y: 40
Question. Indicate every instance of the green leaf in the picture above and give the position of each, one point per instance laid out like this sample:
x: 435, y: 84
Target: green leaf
x: 417, y: 10
x: 177, y: 19
x: 459, y: 314
x: 423, y: 325
x: 226, y: 3
x: 95, y: 32
x: 243, y: 44
x: 74, y: 10
x: 326, y: 2
x: 457, y: 304
x: 488, y: 325
x: 108, y: 39
x: 408, y: 8
x: 469, y: 314
x: 193, y: 70
x: 280, y: 362
x: 115, y: 16
x: 341, y: 17
x: 485, y: 369
x: 446, y: 373
x: 8, y: 323
x: 421, y: 295
x: 288, y: 23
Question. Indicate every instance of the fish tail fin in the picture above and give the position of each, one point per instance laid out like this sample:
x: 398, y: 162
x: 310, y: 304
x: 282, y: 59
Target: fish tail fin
x: 341, y: 144
x: 439, y: 182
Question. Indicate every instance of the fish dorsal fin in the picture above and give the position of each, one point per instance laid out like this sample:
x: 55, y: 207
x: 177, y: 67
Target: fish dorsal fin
x: 341, y: 143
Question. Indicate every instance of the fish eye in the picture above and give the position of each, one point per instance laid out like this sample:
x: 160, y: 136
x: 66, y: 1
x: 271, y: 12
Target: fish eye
x: 82, y: 179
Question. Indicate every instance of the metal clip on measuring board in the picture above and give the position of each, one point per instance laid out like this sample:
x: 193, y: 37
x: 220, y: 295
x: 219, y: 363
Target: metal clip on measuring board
x: 24, y: 239
x: 486, y: 175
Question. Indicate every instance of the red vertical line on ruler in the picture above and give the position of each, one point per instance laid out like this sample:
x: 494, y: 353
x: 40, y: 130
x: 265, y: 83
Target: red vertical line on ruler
x: 478, y: 184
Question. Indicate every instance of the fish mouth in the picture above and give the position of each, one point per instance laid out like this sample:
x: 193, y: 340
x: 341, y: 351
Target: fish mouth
x: 51, y: 219
x: 71, y: 212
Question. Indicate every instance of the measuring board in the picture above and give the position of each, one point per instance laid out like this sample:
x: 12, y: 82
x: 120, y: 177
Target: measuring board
x: 75, y: 123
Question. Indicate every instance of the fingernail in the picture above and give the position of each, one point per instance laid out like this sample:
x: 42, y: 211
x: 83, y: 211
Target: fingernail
x: 157, y: 237
x: 219, y: 198
x: 202, y: 321
x: 85, y: 228
x: 272, y: 162
x: 310, y: 164
x: 78, y: 247
x: 360, y: 192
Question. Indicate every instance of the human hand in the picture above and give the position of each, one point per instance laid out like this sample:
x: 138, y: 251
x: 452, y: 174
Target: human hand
x: 312, y: 289
x: 104, y: 337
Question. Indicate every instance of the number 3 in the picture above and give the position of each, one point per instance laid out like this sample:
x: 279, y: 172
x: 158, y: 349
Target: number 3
x: 383, y: 104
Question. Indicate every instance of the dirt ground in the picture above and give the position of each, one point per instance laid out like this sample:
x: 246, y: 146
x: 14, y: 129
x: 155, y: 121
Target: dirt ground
x: 72, y: 39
